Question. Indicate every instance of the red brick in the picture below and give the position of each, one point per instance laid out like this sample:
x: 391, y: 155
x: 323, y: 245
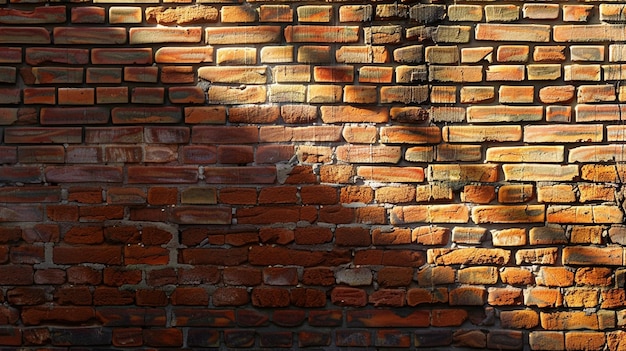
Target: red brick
x: 24, y: 35
x: 63, y: 314
x: 88, y: 14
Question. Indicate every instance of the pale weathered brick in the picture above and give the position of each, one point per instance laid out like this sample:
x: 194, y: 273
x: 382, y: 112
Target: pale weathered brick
x: 513, y: 32
x: 563, y: 133
x: 465, y: 13
x: 502, y: 13
x: 588, y: 33
x: 582, y: 72
x: 504, y: 113
x: 590, y: 53
x: 540, y: 11
x: 577, y: 13
x: 539, y: 172
x: 455, y: 134
x: 525, y: 154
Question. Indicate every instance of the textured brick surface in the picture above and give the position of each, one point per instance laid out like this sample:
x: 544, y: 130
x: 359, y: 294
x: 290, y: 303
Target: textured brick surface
x: 324, y: 175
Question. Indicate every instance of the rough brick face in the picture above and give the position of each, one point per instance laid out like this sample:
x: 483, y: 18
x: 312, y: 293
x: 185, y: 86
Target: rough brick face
x: 244, y: 174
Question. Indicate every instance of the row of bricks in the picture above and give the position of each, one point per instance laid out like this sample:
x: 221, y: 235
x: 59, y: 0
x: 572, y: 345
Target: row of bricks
x: 603, y: 319
x: 611, y: 255
x: 353, y: 94
x: 532, y: 156
x: 416, y: 135
x: 242, y: 338
x: 379, y: 234
x: 314, y: 13
x: 284, y: 75
x: 258, y: 295
x: 533, y: 266
x: 269, y: 34
x: 518, y: 163
x: 386, y: 277
x: 457, y: 173
x: 398, y: 216
x: 36, y: 56
x: 342, y: 236
x: 321, y: 195
x: 284, y: 339
x: 301, y: 114
x: 460, y: 174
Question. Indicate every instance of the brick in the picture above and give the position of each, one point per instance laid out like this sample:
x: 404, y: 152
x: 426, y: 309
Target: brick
x: 593, y: 53
x: 502, y: 13
x: 476, y: 54
x: 580, y: 255
x: 277, y: 13
x: 41, y: 56
x: 337, y: 114
x: 512, y: 53
x: 277, y: 54
x: 563, y: 133
x: 291, y: 73
x: 314, y: 54
x: 125, y: 14
x: 184, y: 55
x: 237, y: 95
x: 460, y: 74
x: 472, y: 256
x: 243, y: 75
x: 525, y: 154
x: 243, y: 35
x: 540, y: 11
x: 483, y: 114
x: 355, y: 13
x: 556, y: 94
x: 164, y: 35
x: 587, y: 72
x: 382, y: 34
x: 409, y: 54
x: 465, y: 13
x: 442, y: 54
x: 516, y: 94
x: 25, y: 35
x: 547, y: 71
x: 321, y: 34
x: 450, y: 34
x: 362, y: 54
x: 525, y: 319
x: 593, y: 113
x: 577, y: 13
x: 181, y: 15
x: 513, y: 32
x: 404, y: 94
x: 463, y: 172
x: 539, y: 172
x: 482, y: 133
x: 559, y: 193
x: 390, y: 174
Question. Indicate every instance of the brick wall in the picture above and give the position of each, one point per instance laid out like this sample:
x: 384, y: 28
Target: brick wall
x: 321, y: 174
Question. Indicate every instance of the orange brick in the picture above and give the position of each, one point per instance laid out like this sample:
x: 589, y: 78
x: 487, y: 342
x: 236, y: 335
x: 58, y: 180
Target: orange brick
x: 522, y: 319
x: 543, y: 297
x: 585, y: 340
x: 555, y: 277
